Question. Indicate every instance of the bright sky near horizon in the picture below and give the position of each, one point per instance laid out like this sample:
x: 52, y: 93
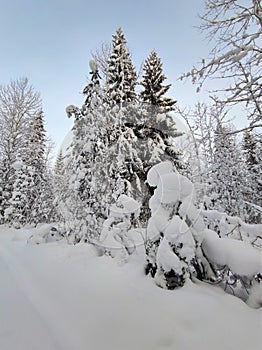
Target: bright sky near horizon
x: 50, y: 42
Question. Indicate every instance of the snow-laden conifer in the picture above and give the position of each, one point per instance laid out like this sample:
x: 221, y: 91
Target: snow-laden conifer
x: 121, y: 78
x: 82, y: 201
x: 253, y: 159
x: 32, y: 195
x: 19, y: 102
x: 154, y: 92
x: 227, y: 174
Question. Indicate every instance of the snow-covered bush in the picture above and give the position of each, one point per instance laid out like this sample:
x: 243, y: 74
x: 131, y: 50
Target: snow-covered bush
x: 115, y: 238
x: 174, y: 229
x: 238, y: 266
x: 233, y: 247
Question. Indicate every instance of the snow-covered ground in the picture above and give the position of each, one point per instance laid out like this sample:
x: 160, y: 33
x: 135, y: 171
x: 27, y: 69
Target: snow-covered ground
x: 57, y: 296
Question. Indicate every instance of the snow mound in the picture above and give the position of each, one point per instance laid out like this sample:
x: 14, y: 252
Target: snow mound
x: 255, y: 295
x: 46, y: 233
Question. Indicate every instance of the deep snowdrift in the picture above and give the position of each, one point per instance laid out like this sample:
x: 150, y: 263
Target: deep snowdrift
x: 56, y: 296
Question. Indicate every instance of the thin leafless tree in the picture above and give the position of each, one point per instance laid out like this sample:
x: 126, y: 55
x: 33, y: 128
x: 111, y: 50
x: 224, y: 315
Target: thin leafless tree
x: 235, y: 27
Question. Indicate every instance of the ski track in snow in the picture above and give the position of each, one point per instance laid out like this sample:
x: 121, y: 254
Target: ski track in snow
x: 60, y: 297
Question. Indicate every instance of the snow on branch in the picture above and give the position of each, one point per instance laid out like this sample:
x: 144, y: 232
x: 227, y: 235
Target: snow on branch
x: 233, y: 226
x: 236, y: 58
x: 241, y: 258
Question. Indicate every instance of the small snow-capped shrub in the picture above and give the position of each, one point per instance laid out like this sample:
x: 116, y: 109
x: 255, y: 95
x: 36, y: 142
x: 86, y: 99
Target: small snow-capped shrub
x: 115, y: 238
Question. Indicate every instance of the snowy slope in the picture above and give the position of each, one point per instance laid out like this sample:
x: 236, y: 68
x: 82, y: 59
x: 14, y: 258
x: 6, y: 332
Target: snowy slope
x: 56, y: 296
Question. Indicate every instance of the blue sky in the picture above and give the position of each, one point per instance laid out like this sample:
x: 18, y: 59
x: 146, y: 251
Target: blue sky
x: 49, y: 41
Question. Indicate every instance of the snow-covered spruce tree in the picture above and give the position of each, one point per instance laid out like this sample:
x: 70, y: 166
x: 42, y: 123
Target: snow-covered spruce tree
x: 21, y: 201
x: 157, y: 126
x: 121, y: 163
x: 90, y: 162
x: 139, y: 134
x: 32, y: 197
x: 59, y: 164
x: 154, y: 89
x: 64, y: 196
x: 121, y: 77
x: 82, y: 203
x: 43, y: 207
x: 253, y: 160
x: 121, y: 104
x: 58, y: 183
x: 227, y: 175
x: 5, y: 187
x: 19, y: 102
x: 2, y: 171
x: 146, y: 130
x: 157, y: 129
x: 19, y: 205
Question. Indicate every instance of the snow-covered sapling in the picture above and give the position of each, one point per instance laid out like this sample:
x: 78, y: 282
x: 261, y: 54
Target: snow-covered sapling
x: 115, y: 238
x: 172, y: 247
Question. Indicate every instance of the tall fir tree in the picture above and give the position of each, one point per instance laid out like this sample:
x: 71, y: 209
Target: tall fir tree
x: 6, y: 185
x: 42, y: 193
x: 58, y: 183
x: 32, y: 196
x: 122, y: 158
x: 227, y: 174
x: 154, y: 89
x: 81, y: 202
x: 159, y: 125
x: 158, y: 132
x: 19, y: 103
x: 1, y: 193
x: 121, y: 78
x: 19, y: 206
x: 253, y: 160
x: 59, y: 164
